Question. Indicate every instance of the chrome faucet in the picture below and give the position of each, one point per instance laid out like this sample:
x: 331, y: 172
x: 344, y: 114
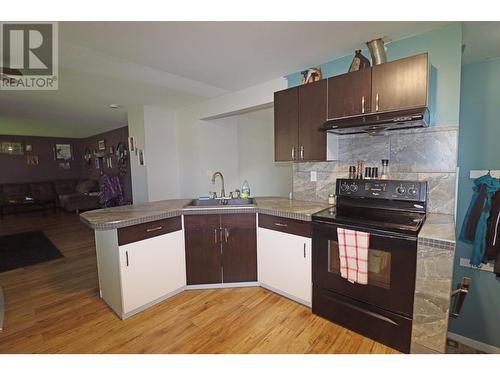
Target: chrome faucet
x: 222, y: 191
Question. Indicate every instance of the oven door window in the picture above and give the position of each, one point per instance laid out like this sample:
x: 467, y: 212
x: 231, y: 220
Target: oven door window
x: 379, y: 265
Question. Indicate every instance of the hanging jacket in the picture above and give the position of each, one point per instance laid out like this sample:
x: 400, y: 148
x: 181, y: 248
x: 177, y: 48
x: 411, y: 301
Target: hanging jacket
x: 111, y: 191
x: 475, y: 223
x: 493, y: 233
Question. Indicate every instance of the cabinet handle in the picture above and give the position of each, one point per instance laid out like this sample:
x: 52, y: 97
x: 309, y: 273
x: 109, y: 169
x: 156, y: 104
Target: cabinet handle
x: 363, y: 104
x: 304, y: 251
x: 376, y: 102
x: 153, y: 229
x: 280, y: 225
x: 215, y: 235
x: 293, y: 152
x: 301, y: 152
x: 126, y: 257
x: 226, y: 234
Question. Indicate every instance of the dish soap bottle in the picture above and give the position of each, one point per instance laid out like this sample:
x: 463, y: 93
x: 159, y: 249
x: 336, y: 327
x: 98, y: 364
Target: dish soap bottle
x: 245, y: 190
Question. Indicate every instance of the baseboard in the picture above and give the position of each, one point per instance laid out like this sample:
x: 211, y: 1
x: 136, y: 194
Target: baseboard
x: 285, y: 294
x: 223, y: 285
x: 474, y: 343
x: 2, y: 309
x: 152, y: 303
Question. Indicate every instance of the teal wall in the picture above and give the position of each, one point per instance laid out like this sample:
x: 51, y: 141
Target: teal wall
x: 479, y: 141
x: 445, y: 50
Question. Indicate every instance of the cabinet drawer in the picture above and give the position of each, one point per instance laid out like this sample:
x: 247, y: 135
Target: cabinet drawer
x: 151, y: 229
x: 281, y: 224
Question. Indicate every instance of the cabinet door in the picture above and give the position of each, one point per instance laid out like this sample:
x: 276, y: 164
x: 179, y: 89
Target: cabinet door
x: 312, y: 114
x: 203, y: 249
x: 286, y: 120
x: 239, y: 248
x: 285, y: 264
x: 400, y: 84
x: 350, y: 94
x: 151, y: 269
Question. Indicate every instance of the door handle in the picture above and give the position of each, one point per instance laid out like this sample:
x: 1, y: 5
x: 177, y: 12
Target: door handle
x: 459, y: 295
x: 293, y: 152
x: 304, y: 251
x: 226, y: 234
x: 376, y: 102
x: 363, y: 104
x: 301, y: 152
x: 154, y: 229
x: 280, y: 225
x: 126, y: 257
x: 215, y: 235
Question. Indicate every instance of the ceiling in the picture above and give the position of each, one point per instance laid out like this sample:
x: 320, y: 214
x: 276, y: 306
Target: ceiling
x: 174, y: 64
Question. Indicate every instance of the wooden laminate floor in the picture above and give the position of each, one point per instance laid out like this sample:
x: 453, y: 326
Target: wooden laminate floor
x: 54, y: 307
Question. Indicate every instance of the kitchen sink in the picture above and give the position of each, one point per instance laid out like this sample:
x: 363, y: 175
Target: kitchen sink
x: 220, y: 202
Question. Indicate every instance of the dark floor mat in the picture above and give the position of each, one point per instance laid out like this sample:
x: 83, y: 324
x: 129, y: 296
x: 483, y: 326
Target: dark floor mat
x: 25, y: 249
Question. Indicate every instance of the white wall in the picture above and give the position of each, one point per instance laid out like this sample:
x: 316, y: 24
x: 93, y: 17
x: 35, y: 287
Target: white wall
x: 256, y: 156
x: 162, y: 161
x: 138, y: 173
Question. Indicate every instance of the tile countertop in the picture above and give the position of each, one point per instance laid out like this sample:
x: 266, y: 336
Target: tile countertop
x: 439, y: 227
x: 124, y: 216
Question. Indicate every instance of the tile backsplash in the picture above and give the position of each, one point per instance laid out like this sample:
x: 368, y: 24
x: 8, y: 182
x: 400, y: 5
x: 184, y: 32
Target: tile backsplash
x: 416, y: 154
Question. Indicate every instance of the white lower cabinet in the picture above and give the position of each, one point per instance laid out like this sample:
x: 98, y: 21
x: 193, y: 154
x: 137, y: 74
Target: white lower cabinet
x: 284, y: 264
x: 151, y: 269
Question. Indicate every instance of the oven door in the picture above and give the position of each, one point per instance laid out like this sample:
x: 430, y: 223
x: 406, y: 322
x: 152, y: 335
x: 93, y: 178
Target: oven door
x: 391, y: 268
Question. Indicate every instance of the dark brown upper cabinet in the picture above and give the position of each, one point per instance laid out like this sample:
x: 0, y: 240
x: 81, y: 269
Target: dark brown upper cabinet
x: 350, y: 94
x: 298, y: 114
x: 286, y: 124
x: 400, y: 84
x: 312, y: 114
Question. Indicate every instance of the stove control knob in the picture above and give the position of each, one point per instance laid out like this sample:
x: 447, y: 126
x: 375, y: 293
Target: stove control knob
x: 400, y: 190
x: 412, y: 191
x: 354, y: 188
x: 344, y: 187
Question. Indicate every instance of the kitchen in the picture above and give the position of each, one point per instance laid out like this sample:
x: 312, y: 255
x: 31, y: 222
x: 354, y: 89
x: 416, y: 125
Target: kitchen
x: 227, y: 239
x: 279, y: 200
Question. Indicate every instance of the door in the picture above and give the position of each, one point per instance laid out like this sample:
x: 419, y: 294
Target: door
x: 286, y: 124
x: 151, y: 269
x: 203, y: 249
x: 285, y: 263
x: 400, y: 84
x: 239, y: 248
x: 391, y: 269
x: 350, y: 94
x: 312, y: 114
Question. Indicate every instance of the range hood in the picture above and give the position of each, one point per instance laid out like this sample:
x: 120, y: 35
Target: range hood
x: 379, y: 122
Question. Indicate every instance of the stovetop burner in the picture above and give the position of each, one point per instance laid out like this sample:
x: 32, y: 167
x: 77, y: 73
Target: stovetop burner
x: 387, y: 205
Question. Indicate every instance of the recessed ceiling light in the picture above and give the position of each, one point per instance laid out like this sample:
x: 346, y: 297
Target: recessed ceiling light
x: 114, y: 106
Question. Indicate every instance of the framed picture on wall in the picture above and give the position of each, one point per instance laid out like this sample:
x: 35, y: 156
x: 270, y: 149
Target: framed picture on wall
x: 131, y: 143
x: 63, y: 151
x: 141, y: 159
x: 101, y: 145
x: 12, y: 148
x: 32, y: 159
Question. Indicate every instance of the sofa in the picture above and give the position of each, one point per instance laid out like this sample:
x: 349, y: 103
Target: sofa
x: 72, y: 195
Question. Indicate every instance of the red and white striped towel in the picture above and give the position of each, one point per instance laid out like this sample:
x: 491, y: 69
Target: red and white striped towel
x: 353, y: 253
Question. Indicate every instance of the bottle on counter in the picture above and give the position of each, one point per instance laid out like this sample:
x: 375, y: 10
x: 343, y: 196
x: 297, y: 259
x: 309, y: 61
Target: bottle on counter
x: 384, y: 175
x: 331, y: 199
x: 245, y: 190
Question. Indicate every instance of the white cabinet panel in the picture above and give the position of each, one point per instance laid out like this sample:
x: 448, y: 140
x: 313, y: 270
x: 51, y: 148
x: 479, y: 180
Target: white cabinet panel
x: 284, y: 263
x: 151, y: 269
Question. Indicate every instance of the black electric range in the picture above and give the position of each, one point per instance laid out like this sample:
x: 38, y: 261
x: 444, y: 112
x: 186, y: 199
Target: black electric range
x: 393, y: 212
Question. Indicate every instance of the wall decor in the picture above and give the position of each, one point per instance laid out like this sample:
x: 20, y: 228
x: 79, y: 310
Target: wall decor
x: 12, y: 148
x: 311, y: 75
x: 141, y: 159
x: 97, y: 163
x: 65, y: 165
x: 29, y: 148
x: 63, y: 151
x: 32, y: 159
x: 121, y: 157
x: 359, y: 62
x: 111, y: 150
x: 101, y: 145
x: 131, y: 143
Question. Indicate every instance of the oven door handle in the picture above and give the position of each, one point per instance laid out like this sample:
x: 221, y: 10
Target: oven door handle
x: 329, y: 226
